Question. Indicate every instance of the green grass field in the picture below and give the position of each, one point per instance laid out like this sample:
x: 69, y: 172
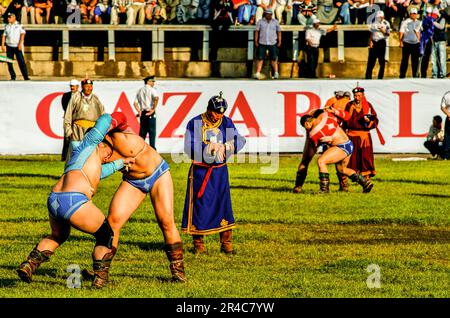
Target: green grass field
x: 289, y: 246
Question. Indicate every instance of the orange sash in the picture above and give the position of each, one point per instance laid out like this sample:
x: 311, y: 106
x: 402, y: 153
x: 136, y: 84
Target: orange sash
x: 362, y: 134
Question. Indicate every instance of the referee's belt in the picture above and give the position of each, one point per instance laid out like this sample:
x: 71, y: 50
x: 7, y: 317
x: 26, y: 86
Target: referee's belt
x: 84, y: 123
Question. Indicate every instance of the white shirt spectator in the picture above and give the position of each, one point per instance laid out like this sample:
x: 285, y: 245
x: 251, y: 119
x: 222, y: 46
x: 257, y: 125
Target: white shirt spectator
x: 445, y: 103
x: 268, y: 31
x: 409, y: 29
x: 12, y: 34
x: 145, y: 97
x: 376, y: 33
x: 313, y: 36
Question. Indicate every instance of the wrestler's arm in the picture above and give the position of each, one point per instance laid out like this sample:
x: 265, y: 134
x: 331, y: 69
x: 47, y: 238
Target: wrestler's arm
x: 111, y: 167
x: 103, y: 125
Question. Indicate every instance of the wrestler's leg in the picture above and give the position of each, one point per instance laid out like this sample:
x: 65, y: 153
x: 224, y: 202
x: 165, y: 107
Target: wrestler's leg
x: 88, y: 218
x: 331, y: 155
x: 125, y: 201
x: 44, y: 249
x: 309, y: 150
x: 353, y: 175
x: 162, y: 200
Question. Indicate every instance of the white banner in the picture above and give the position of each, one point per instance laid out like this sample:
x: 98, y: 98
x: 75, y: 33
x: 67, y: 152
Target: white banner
x: 31, y: 116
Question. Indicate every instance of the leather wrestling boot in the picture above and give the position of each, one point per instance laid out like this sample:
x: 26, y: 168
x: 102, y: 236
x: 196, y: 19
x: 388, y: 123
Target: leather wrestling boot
x: 343, y: 182
x: 34, y: 260
x: 225, y: 242
x: 299, y: 181
x: 199, y: 244
x: 366, y: 184
x: 324, y: 182
x: 101, y: 270
x: 174, y: 253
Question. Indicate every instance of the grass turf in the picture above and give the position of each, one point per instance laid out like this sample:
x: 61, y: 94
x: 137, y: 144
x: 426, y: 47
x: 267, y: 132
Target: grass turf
x: 289, y: 246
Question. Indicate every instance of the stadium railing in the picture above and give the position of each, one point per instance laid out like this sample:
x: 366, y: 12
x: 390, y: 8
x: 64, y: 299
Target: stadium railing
x: 158, y: 36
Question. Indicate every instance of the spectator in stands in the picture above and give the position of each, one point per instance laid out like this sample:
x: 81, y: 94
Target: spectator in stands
x: 358, y: 11
x: 378, y: 5
x: 344, y: 12
x: 153, y: 12
x: 326, y: 11
x: 119, y: 8
x: 312, y: 37
x: 379, y: 35
x: 28, y: 11
x: 410, y: 43
x: 203, y: 11
x: 42, y: 7
x: 445, y: 107
x: 262, y: 6
x: 296, y: 4
x: 136, y: 10
x: 426, y: 39
x: 15, y: 7
x: 168, y: 10
x: 283, y: 6
x: 221, y: 22
x: 439, y: 47
x: 396, y: 12
x: 4, y: 4
x: 87, y: 8
x: 307, y: 12
x: 59, y: 11
x: 102, y: 12
x: 267, y: 38
x: 65, y: 99
x: 435, y: 138
x: 12, y: 42
x: 187, y: 11
x: 246, y: 12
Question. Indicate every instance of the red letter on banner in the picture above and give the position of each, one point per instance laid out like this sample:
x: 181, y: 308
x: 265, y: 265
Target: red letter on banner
x: 247, y: 116
x: 290, y: 111
x: 180, y: 113
x: 124, y: 106
x: 43, y: 115
x: 405, y: 115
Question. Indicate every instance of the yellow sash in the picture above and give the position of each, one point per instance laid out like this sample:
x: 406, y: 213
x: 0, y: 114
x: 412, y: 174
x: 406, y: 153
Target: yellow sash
x: 84, y: 123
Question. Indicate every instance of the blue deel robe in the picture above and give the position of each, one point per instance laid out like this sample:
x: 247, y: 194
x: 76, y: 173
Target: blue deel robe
x: 207, y: 207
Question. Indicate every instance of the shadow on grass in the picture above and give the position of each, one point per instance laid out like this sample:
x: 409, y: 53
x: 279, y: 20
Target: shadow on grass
x: 145, y: 246
x: 409, y: 181
x: 8, y: 282
x: 29, y: 175
x: 432, y: 195
x: 276, y: 189
x: 42, y: 271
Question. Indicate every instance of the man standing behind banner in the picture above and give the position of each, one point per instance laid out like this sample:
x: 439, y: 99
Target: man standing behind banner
x: 65, y: 99
x: 82, y: 112
x: 210, y: 139
x: 145, y: 103
x: 362, y: 119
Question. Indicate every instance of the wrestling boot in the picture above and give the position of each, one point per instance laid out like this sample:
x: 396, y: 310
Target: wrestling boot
x: 343, y: 182
x: 299, y: 181
x: 324, y: 182
x: 34, y: 260
x: 101, y: 270
x: 365, y: 183
x: 199, y: 245
x: 174, y: 253
x: 225, y: 242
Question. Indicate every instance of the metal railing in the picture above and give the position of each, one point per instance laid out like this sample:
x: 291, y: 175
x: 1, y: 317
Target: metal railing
x: 158, y: 42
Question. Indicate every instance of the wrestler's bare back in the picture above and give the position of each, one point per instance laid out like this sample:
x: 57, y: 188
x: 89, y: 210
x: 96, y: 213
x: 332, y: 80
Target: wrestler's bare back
x: 128, y: 144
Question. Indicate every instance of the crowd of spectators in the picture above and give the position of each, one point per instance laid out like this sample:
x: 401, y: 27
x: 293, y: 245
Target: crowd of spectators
x: 237, y: 12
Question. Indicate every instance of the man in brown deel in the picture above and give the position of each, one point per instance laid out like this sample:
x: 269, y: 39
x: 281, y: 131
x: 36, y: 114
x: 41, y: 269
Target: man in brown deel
x: 82, y: 112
